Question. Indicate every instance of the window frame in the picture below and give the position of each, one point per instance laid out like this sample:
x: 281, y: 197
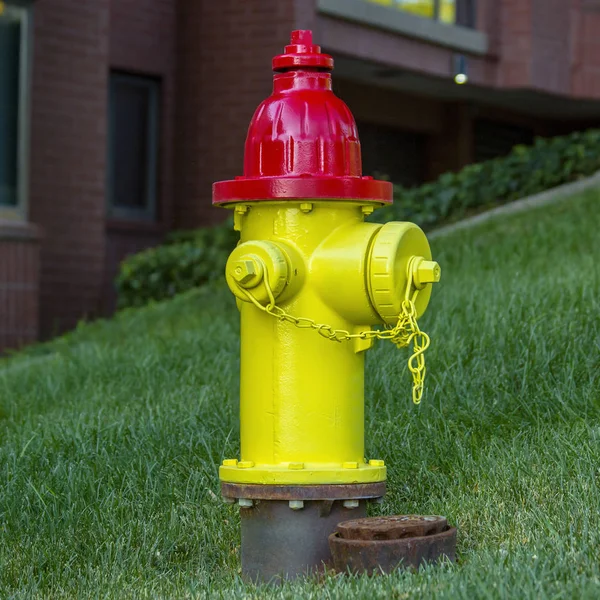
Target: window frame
x: 153, y: 85
x: 376, y: 14
x: 464, y: 11
x: 23, y: 9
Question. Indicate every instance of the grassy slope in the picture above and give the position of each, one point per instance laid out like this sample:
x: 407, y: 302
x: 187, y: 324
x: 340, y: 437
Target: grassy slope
x: 111, y: 436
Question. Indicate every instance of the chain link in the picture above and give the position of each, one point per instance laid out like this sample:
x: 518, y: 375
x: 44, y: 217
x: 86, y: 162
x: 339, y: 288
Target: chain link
x: 405, y: 332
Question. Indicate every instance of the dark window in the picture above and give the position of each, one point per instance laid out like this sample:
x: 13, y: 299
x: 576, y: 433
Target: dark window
x: 494, y: 139
x: 133, y: 146
x: 11, y: 74
x: 398, y: 155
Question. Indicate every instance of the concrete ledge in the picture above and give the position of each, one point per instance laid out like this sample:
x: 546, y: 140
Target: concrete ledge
x: 19, y: 230
x: 456, y: 37
x: 542, y: 199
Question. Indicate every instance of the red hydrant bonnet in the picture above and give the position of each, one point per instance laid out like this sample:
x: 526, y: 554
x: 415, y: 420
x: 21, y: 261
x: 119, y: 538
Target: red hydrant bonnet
x: 302, y: 142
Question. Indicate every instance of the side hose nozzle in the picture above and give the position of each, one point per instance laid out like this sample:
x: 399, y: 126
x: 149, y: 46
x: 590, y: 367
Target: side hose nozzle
x: 424, y: 272
x: 253, y: 262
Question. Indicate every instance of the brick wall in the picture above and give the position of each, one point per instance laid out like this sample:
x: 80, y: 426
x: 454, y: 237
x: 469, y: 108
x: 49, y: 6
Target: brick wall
x: 551, y: 45
x: 143, y: 41
x: 224, y: 57
x: 68, y: 156
x: 515, y: 43
x: 585, y: 48
x: 19, y: 274
x: 550, y: 60
x: 390, y: 107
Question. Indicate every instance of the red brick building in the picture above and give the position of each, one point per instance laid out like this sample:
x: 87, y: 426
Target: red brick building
x: 117, y: 115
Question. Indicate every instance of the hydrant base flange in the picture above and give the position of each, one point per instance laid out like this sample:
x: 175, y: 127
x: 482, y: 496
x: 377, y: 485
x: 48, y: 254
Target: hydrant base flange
x: 282, y: 475
x: 361, y: 491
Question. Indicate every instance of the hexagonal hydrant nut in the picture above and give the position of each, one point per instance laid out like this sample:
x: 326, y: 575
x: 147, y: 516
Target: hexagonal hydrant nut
x: 428, y: 271
x: 247, y: 271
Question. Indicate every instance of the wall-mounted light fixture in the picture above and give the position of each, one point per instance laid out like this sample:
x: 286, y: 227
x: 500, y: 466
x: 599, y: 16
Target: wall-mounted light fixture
x: 460, y: 69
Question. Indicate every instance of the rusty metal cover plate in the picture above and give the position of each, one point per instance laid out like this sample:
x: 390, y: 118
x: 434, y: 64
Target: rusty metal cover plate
x: 394, y: 527
x: 373, y: 549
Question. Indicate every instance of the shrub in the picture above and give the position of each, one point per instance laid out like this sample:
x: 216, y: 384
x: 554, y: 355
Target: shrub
x: 187, y: 259
x: 222, y: 236
x: 191, y: 258
x: 526, y: 170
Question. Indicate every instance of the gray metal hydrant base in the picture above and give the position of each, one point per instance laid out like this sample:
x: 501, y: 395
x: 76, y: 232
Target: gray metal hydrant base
x: 281, y: 543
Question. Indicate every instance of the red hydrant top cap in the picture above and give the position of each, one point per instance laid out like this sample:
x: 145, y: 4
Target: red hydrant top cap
x: 302, y: 53
x: 302, y: 142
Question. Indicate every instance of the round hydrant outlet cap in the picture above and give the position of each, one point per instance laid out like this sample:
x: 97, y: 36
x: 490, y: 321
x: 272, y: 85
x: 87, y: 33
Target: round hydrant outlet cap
x: 393, y: 247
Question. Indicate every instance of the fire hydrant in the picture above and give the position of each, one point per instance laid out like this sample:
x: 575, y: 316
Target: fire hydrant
x: 311, y: 279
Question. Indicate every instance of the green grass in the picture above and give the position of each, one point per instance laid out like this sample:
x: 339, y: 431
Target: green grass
x: 111, y: 436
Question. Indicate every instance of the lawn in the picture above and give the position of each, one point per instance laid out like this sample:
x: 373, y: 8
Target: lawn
x: 111, y: 436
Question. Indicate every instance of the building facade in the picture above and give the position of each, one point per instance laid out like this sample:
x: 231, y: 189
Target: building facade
x: 117, y: 115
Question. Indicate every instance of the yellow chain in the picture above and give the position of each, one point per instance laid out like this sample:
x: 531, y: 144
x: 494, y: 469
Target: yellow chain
x: 402, y: 334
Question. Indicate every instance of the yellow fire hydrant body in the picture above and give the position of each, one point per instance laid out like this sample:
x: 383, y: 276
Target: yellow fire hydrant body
x: 311, y: 279
x: 302, y: 395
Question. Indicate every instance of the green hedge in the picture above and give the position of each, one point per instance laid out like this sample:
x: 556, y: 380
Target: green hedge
x: 191, y: 258
x: 186, y: 260
x: 526, y: 170
x: 222, y: 235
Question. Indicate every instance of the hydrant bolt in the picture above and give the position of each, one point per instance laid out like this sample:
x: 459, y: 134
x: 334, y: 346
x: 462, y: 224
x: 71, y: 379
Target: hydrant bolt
x: 350, y: 465
x: 427, y: 271
x: 247, y: 272
x: 296, y: 504
x: 351, y: 503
